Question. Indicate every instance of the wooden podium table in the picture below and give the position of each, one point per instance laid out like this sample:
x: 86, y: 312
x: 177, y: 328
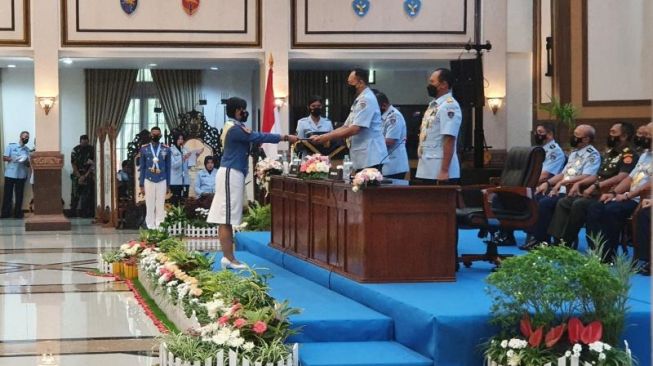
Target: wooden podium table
x: 379, y: 234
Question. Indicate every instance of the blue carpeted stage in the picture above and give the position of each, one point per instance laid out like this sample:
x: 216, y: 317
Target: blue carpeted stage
x: 348, y: 323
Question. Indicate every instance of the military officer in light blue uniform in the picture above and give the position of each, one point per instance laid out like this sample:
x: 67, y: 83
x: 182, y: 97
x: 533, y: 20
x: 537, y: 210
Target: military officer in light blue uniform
x: 394, y: 130
x: 205, y: 180
x: 179, y: 175
x: 155, y: 178
x: 17, y: 158
x: 438, y: 161
x: 314, y: 122
x: 583, y: 162
x: 362, y: 127
x: 555, y: 158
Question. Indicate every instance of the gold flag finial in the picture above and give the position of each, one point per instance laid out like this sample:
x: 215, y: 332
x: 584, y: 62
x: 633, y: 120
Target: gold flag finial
x: 271, y: 61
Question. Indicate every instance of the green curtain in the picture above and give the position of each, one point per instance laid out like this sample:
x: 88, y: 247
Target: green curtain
x: 108, y: 93
x: 178, y: 90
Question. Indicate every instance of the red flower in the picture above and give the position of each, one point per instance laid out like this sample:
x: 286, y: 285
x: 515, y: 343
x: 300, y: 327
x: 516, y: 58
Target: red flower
x: 259, y: 327
x: 576, y: 328
x: 592, y: 332
x: 223, y: 320
x: 525, y: 326
x: 536, y: 337
x: 240, y: 322
x: 554, y: 335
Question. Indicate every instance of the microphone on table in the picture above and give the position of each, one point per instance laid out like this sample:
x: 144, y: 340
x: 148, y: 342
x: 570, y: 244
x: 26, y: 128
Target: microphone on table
x: 403, y: 141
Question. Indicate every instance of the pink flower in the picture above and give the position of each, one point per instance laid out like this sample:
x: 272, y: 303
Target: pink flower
x: 240, y: 322
x: 223, y: 320
x: 235, y: 308
x: 259, y: 327
x: 302, y: 168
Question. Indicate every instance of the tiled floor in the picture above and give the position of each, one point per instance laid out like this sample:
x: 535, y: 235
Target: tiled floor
x: 48, y: 304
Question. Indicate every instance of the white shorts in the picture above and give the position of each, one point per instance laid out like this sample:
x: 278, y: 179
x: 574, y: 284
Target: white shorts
x: 227, y: 204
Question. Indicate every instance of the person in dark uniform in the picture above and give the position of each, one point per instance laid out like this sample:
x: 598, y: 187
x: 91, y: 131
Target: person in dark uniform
x: 617, y: 162
x: 154, y: 180
x: 83, y: 162
x: 643, y: 235
x: 583, y: 162
x: 607, y: 217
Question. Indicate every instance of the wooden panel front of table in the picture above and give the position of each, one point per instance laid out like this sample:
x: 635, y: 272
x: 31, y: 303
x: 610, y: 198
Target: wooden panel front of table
x: 379, y: 234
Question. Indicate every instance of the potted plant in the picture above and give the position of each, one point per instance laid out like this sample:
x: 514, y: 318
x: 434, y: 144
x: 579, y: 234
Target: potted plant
x: 555, y: 304
x: 564, y: 114
x: 316, y: 166
x: 112, y: 257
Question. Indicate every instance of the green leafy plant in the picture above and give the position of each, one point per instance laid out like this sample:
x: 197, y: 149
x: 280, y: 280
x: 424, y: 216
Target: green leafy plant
x: 111, y: 256
x: 170, y: 244
x: 152, y: 236
x: 563, y: 113
x: 258, y: 217
x: 190, y: 262
x: 175, y: 215
x: 189, y: 348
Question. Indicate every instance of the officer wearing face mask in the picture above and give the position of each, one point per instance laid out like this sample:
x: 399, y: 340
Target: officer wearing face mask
x: 314, y: 122
x: 17, y: 158
x: 227, y: 205
x: 583, y: 162
x: 642, y: 141
x: 362, y: 129
x: 555, y: 157
x: 438, y: 161
x: 155, y: 178
x: 616, y: 164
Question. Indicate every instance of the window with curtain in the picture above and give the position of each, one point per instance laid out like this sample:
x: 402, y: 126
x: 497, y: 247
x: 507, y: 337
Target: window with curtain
x: 140, y: 114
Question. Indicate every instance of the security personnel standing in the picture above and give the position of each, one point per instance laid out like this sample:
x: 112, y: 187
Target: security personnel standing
x: 438, y: 161
x: 155, y: 178
x: 394, y: 131
x: 583, y: 162
x: 314, y: 122
x: 617, y: 163
x: 82, y: 159
x: 205, y: 180
x: 609, y: 214
x: 362, y: 127
x: 17, y: 158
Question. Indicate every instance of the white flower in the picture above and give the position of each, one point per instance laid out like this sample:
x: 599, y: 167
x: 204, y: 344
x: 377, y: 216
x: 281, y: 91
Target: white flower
x: 236, y: 342
x: 354, y: 189
x: 248, y: 346
x: 601, y: 356
x: 504, y: 343
x: 516, y: 343
x: 596, y: 346
x: 514, y: 360
x: 577, y: 348
x: 607, y: 347
x: 220, y: 339
x: 568, y: 354
x: 510, y: 353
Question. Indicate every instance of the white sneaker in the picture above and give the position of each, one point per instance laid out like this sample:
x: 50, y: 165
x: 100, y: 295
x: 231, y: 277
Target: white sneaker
x: 227, y: 264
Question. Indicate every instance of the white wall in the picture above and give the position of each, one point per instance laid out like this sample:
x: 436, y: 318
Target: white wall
x: 225, y: 84
x: 404, y: 86
x: 73, y: 120
x: 18, y: 110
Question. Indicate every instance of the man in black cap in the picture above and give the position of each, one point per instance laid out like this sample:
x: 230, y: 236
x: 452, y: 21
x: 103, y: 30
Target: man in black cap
x: 82, y: 160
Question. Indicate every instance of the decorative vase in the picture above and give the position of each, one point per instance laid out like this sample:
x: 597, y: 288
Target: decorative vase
x: 117, y: 268
x: 130, y: 271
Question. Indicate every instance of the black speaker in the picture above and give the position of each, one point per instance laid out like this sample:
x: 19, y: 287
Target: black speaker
x: 468, y: 82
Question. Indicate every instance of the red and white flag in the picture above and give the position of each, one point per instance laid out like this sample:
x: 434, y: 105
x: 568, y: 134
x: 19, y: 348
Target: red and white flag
x: 271, y: 117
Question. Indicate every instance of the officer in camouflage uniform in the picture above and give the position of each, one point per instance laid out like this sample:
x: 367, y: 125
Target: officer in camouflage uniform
x: 82, y: 160
x: 617, y: 163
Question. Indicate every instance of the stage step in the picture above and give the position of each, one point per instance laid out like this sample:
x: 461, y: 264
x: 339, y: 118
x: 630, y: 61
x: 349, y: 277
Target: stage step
x: 326, y: 315
x: 360, y: 354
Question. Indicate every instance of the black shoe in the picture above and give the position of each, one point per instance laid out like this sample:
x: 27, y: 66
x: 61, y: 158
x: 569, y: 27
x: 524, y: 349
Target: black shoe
x: 531, y: 244
x: 505, y: 239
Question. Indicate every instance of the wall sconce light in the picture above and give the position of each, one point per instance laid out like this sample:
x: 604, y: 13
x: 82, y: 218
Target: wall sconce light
x: 279, y: 102
x: 494, y: 104
x: 46, y: 103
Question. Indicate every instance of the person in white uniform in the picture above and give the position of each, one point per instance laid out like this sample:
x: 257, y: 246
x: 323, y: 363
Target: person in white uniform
x: 438, y: 161
x: 362, y: 128
x: 395, y: 165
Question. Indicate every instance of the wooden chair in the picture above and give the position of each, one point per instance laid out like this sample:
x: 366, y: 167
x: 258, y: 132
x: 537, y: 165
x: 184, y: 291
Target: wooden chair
x: 511, y: 205
x: 629, y: 234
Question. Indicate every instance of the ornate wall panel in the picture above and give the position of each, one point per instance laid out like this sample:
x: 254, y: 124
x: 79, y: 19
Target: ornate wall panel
x: 215, y: 23
x: 14, y: 23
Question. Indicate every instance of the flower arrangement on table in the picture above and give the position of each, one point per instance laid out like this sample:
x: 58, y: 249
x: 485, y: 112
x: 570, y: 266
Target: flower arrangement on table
x: 316, y: 166
x: 264, y: 169
x: 366, y: 177
x: 555, y: 304
x: 235, y: 311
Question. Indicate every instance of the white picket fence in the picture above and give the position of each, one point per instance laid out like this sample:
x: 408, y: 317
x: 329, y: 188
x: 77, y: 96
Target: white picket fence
x: 192, y: 231
x: 173, y: 312
x: 562, y: 361
x: 166, y: 358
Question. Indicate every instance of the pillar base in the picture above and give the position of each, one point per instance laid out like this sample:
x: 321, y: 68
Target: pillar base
x: 47, y: 223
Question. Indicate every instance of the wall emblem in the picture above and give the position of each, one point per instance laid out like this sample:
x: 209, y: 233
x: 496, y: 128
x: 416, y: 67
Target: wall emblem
x: 412, y: 7
x: 128, y: 6
x: 190, y: 6
x: 361, y: 7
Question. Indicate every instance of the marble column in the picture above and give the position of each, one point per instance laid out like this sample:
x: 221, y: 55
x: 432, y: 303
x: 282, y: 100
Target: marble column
x: 47, y: 160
